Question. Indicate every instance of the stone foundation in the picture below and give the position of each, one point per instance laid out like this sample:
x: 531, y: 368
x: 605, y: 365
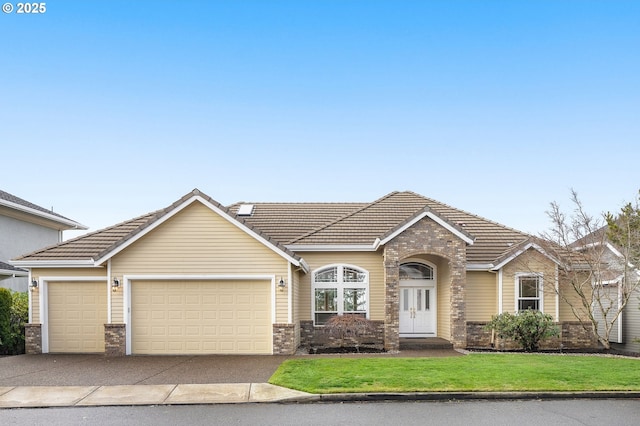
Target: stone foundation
x: 33, y: 338
x: 572, y: 336
x: 115, y: 339
x: 311, y: 337
x: 284, y: 339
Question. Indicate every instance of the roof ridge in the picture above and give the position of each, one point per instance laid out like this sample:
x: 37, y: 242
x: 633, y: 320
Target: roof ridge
x: 361, y: 209
x: 470, y: 214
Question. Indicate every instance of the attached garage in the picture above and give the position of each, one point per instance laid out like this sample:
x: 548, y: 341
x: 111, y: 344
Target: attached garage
x: 201, y: 317
x: 77, y: 312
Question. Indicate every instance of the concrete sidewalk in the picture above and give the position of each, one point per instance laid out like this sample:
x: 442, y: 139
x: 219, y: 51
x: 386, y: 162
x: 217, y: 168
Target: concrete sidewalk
x: 219, y: 393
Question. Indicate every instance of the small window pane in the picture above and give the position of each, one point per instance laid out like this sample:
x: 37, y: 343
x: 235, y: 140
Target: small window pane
x: 529, y: 287
x: 355, y: 300
x: 405, y: 299
x: 350, y: 275
x: 426, y: 299
x: 525, y: 304
x: 419, y: 300
x: 416, y: 271
x: 321, y: 318
x: 329, y: 275
x: 327, y: 299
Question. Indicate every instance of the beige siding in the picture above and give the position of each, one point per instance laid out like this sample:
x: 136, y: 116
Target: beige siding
x: 530, y: 262
x: 568, y: 293
x: 199, y: 241
x: 371, y: 261
x: 482, y: 301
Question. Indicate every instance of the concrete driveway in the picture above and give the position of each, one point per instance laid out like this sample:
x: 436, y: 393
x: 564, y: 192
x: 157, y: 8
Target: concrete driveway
x: 98, y: 370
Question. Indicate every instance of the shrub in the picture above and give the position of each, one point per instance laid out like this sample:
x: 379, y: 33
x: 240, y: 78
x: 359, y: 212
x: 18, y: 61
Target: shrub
x: 14, y: 313
x: 527, y: 328
x: 6, y: 300
x: 348, y: 326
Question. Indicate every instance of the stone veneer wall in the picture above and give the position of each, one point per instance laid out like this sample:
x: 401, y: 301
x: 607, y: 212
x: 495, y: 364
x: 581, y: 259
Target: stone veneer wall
x: 425, y: 237
x: 115, y: 339
x: 33, y: 338
x: 313, y: 336
x: 572, y: 336
x: 284, y: 339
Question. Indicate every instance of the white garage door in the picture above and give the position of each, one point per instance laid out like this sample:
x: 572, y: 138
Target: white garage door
x: 201, y: 317
x: 77, y: 312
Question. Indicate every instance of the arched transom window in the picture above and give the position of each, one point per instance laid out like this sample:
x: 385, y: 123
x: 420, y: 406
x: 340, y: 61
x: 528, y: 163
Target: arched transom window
x: 338, y: 290
x: 415, y: 271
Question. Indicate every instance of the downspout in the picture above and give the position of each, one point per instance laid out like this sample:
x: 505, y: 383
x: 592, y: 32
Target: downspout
x: 29, y: 291
x: 109, y: 302
x: 500, y: 309
x: 290, y: 295
x: 557, y: 284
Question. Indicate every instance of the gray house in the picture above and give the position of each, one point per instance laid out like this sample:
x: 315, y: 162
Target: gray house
x: 25, y: 227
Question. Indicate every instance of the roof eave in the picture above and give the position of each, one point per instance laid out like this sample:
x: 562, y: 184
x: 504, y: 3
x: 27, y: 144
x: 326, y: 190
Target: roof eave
x: 70, y: 224
x: 427, y: 213
x: 81, y: 263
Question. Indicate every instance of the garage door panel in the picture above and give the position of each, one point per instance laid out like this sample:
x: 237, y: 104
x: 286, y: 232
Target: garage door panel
x: 77, y: 312
x: 201, y: 317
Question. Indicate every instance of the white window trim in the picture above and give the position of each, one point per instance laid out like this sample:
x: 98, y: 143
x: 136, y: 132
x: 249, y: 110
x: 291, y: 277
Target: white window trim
x: 540, y: 297
x: 340, y: 285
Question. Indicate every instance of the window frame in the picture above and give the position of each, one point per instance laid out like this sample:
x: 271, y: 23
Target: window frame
x: 340, y: 285
x: 539, y: 287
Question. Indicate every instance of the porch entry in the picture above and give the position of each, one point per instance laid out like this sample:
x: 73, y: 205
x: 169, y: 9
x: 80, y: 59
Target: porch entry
x: 418, y: 302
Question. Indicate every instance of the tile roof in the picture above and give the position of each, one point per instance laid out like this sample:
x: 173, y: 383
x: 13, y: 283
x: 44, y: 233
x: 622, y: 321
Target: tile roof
x: 366, y: 222
x: 6, y: 267
x: 290, y: 224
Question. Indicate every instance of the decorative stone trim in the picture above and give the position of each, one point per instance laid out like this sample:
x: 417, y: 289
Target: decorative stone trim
x: 284, y: 339
x: 572, y: 336
x: 33, y: 338
x: 314, y: 336
x: 426, y: 237
x: 115, y: 339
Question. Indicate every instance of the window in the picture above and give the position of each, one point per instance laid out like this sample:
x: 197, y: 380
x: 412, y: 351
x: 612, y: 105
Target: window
x: 338, y: 290
x: 415, y: 271
x: 529, y: 292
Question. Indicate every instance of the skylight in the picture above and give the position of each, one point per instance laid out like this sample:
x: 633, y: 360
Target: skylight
x: 245, y: 210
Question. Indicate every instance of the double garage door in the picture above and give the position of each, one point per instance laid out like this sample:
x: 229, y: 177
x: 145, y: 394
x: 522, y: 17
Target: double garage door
x: 167, y: 317
x: 201, y: 317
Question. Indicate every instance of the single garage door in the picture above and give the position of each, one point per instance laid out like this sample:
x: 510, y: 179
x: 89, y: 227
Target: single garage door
x: 77, y: 312
x: 201, y: 317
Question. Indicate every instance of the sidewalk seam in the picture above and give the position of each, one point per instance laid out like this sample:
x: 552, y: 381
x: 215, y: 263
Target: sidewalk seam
x: 95, y: 388
x: 164, y: 401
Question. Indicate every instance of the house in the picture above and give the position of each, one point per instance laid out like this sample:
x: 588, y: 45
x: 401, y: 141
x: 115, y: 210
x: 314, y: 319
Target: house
x: 625, y: 330
x: 262, y: 278
x: 25, y: 227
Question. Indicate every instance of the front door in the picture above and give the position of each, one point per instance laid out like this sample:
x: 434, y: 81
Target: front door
x: 417, y: 311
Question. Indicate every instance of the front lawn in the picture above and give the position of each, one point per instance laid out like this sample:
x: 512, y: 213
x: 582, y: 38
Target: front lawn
x: 474, y: 372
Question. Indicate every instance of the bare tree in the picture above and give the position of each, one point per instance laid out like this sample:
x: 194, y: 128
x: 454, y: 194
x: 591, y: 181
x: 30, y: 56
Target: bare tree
x: 595, y: 281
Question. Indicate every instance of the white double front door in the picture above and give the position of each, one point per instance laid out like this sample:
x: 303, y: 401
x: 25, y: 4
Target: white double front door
x: 417, y: 308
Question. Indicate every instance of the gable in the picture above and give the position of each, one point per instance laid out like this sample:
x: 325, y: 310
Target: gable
x: 198, y: 240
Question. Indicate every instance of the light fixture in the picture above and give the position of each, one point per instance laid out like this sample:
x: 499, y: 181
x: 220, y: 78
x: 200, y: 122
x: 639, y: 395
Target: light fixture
x: 34, y: 284
x: 281, y: 284
x: 115, y: 284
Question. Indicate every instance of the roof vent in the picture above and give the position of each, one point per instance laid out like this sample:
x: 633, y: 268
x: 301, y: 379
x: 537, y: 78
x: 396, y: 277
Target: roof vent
x: 245, y: 210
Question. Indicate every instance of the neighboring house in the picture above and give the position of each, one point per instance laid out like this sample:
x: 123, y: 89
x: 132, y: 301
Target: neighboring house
x: 626, y: 329
x: 262, y: 278
x: 25, y: 227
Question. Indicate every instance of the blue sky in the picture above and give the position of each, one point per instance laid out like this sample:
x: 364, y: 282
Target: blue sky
x: 112, y: 109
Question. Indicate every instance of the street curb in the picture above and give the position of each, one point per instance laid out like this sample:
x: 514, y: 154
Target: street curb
x: 453, y: 396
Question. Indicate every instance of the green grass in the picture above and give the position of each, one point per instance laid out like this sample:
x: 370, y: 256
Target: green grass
x: 475, y: 372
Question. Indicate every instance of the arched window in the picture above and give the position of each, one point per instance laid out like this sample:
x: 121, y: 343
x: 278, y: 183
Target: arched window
x: 415, y: 271
x: 338, y: 290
